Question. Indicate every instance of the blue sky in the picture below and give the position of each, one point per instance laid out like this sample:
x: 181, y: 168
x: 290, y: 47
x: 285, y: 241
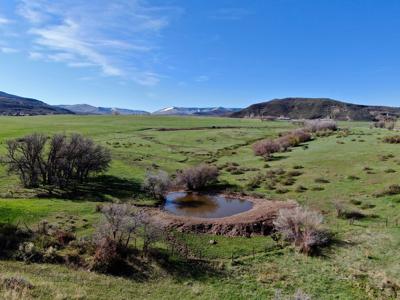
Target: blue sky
x: 153, y: 54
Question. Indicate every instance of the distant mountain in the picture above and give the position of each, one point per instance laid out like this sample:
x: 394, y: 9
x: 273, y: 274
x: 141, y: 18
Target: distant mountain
x: 196, y: 111
x: 12, y: 105
x: 86, y: 109
x: 316, y: 108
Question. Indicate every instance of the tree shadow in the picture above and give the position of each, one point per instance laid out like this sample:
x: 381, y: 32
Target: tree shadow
x: 183, y: 269
x: 100, y: 188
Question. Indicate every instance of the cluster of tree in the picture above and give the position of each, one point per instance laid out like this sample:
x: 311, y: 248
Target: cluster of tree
x: 55, y: 161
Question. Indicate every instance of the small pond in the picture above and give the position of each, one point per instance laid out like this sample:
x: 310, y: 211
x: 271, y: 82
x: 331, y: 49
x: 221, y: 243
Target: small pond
x: 204, y: 205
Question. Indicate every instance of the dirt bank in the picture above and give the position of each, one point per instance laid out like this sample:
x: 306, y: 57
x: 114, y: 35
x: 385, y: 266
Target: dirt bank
x: 256, y: 221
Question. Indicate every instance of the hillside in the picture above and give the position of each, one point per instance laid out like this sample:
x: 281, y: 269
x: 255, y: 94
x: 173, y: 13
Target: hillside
x: 199, y: 111
x: 86, y: 109
x: 315, y: 108
x: 11, y: 105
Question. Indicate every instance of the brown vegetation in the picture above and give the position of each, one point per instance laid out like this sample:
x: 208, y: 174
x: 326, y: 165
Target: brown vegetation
x: 302, y: 227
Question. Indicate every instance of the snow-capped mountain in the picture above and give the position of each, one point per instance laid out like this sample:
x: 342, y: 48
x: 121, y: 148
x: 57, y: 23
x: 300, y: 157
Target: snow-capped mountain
x: 199, y: 111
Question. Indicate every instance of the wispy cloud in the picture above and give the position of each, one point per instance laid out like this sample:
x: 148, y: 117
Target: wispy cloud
x: 4, y: 21
x: 117, y: 37
x: 8, y: 50
x: 202, y: 78
x: 230, y: 14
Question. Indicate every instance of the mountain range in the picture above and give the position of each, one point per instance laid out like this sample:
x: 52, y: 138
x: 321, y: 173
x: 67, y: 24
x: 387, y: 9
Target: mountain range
x: 287, y: 108
x: 316, y: 108
x: 86, y: 109
x: 196, y: 111
x: 12, y: 105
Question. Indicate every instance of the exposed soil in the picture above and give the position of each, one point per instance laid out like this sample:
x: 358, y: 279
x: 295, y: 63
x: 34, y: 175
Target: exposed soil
x: 256, y: 221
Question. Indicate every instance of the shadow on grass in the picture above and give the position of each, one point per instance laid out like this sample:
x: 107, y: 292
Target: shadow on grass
x: 98, y: 189
x: 184, y: 269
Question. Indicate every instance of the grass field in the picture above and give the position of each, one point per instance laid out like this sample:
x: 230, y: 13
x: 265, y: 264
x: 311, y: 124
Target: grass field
x: 363, y: 264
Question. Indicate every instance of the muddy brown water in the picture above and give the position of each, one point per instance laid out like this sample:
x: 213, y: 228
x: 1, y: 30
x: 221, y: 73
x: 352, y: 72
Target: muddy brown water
x: 204, y: 205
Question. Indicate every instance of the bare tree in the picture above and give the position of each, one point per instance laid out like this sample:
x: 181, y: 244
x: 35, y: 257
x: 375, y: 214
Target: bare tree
x: 120, y: 223
x: 67, y: 159
x: 25, y: 158
x: 198, y: 177
x: 156, y: 184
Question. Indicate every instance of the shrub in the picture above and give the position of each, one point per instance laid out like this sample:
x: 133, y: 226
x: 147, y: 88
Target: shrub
x: 281, y: 190
x: 156, y: 184
x: 321, y: 180
x: 266, y: 148
x: 119, y: 224
x: 198, y: 177
x: 302, y: 227
x: 17, y: 284
x: 320, y: 125
x: 10, y: 238
x: 298, y: 167
x: 393, y: 189
x: 64, y: 237
x: 394, y: 139
x: 106, y: 255
x: 300, y: 189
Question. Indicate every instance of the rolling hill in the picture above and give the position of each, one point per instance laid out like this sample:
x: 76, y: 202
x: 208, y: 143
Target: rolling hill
x: 316, y: 108
x: 86, y: 109
x: 11, y: 105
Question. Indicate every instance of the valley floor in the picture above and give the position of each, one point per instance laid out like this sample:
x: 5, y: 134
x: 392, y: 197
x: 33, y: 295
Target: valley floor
x: 347, y: 168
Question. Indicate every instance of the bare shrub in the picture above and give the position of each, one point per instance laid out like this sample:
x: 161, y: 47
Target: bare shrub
x: 266, y: 148
x: 150, y: 234
x: 64, y: 237
x: 120, y: 223
x: 394, y: 139
x: 393, y: 189
x: 198, y: 177
x: 156, y: 184
x: 106, y: 255
x: 302, y: 227
x: 320, y: 125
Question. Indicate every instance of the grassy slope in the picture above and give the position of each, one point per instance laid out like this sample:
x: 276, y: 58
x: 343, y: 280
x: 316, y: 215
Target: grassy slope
x: 368, y: 253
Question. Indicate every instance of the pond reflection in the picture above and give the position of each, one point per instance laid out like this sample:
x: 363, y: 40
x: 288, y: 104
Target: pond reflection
x: 204, y: 205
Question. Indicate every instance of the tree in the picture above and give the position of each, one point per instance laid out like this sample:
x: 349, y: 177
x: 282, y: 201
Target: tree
x: 198, y: 177
x: 156, y: 184
x: 25, y: 158
x: 66, y: 159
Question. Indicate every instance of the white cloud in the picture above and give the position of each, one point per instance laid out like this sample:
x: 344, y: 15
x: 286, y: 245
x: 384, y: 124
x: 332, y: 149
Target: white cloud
x: 8, y: 50
x: 65, y: 38
x: 118, y: 37
x: 36, y: 55
x: 4, y: 21
x: 202, y: 78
